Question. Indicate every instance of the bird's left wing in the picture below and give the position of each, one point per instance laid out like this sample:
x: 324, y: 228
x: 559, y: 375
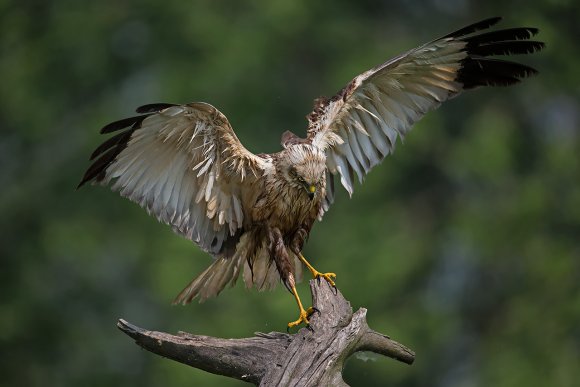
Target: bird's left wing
x: 185, y: 165
x: 359, y: 126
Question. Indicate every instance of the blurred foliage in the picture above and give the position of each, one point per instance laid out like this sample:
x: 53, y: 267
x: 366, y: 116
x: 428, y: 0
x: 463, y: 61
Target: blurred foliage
x: 463, y: 245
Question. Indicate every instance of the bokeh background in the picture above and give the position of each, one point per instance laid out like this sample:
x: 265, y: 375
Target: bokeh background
x: 463, y: 245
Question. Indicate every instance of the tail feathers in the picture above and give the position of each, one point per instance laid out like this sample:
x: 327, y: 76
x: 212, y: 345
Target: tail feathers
x: 263, y: 273
x: 212, y: 281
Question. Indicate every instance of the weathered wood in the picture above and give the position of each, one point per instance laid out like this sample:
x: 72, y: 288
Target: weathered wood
x: 314, y: 356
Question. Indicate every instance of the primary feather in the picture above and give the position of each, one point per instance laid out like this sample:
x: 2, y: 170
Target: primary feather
x: 185, y: 165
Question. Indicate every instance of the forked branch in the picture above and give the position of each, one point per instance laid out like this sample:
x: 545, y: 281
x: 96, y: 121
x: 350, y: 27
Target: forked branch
x: 311, y: 357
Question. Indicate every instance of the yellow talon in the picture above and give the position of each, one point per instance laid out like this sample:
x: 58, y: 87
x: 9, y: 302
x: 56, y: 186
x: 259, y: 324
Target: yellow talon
x: 327, y: 276
x: 316, y: 274
x: 303, y: 316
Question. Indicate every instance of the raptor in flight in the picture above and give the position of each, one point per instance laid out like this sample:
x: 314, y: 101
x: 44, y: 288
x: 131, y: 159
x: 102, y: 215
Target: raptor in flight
x: 252, y: 213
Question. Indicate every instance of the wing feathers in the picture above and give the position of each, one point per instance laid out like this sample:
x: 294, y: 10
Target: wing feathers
x: 95, y: 171
x: 481, y: 25
x: 520, y: 33
x: 382, y: 104
x: 185, y: 165
x: 134, y: 122
x: 492, y: 72
x: 154, y: 107
x: 169, y: 161
x: 508, y: 47
x: 120, y: 138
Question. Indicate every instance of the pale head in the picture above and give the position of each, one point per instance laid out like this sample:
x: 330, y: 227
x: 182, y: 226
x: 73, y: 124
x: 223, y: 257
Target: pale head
x: 303, y: 166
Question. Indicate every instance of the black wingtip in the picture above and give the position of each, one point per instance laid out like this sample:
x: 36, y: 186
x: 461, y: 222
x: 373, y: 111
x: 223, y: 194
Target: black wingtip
x: 492, y: 72
x: 533, y: 31
x: 86, y: 178
x: 508, y: 47
x: 105, y: 155
x: 135, y: 122
x: 120, y: 139
x: 480, y: 25
x: 112, y: 147
x: 154, y: 107
x: 97, y: 169
x: 83, y: 181
x: 480, y: 68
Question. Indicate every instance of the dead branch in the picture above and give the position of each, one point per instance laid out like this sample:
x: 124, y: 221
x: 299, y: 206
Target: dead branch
x: 314, y: 356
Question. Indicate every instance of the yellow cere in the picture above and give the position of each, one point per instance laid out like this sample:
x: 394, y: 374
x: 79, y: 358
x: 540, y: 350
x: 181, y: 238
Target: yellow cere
x: 312, y: 189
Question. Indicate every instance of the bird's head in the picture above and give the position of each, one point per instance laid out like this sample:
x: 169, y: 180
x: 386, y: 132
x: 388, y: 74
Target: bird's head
x: 303, y: 167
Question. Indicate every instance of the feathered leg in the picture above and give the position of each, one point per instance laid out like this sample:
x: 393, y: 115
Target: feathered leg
x: 285, y: 268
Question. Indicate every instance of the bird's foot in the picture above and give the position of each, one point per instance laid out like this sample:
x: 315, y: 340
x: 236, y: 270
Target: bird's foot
x: 327, y: 276
x: 302, y: 318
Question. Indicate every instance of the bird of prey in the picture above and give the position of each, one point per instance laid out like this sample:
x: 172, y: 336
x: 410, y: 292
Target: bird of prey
x: 253, y: 212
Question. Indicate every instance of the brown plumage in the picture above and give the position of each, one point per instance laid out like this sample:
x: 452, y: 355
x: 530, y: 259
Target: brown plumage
x: 253, y: 213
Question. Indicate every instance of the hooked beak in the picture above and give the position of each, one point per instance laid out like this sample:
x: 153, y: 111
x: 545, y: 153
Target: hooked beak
x: 311, y: 191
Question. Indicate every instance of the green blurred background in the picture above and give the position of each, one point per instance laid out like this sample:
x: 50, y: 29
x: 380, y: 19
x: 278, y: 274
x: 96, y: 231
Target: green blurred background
x: 463, y: 245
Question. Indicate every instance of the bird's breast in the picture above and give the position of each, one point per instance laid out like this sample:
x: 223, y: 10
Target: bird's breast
x: 287, y: 208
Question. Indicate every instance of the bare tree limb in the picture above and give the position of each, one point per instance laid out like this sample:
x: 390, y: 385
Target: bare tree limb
x: 312, y: 357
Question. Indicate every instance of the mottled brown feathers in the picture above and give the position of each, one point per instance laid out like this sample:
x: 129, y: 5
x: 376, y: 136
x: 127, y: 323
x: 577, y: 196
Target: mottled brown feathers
x: 252, y: 213
x: 288, y: 139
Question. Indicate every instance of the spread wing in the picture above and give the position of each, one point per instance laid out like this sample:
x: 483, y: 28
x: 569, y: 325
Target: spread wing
x: 360, y: 125
x: 185, y: 165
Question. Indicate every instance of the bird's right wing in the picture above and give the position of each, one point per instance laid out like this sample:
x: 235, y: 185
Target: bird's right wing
x: 185, y: 165
x: 360, y: 125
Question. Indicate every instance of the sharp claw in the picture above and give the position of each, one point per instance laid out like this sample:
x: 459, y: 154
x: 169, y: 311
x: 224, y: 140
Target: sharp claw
x: 303, y: 318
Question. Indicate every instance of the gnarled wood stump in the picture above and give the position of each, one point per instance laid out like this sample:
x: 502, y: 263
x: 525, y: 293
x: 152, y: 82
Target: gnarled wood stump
x: 314, y: 356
